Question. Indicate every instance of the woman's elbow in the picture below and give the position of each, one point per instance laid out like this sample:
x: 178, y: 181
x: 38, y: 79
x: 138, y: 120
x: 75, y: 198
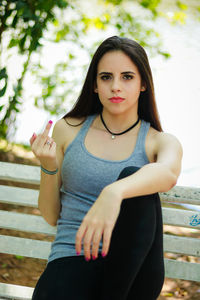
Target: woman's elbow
x: 170, y: 182
x: 173, y: 181
x: 50, y: 218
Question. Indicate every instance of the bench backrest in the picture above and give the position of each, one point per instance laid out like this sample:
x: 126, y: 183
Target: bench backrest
x: 36, y: 224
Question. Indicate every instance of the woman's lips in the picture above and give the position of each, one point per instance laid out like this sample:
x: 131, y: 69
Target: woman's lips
x: 116, y: 99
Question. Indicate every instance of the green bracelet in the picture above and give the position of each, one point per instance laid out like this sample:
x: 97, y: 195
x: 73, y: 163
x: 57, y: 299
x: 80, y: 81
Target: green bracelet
x: 49, y: 172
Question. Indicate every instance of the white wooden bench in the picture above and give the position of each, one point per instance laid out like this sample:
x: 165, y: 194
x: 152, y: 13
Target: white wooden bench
x: 35, y: 224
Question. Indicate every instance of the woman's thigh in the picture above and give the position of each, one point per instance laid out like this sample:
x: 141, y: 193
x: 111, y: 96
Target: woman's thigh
x: 70, y: 278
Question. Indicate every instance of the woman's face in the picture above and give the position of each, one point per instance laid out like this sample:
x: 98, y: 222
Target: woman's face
x: 118, y: 83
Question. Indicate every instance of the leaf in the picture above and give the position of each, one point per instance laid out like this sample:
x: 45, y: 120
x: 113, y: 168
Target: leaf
x: 168, y: 294
x: 180, y: 17
x: 13, y: 43
x: 182, y: 5
x: 1, y: 107
x: 3, y: 76
x: 19, y: 257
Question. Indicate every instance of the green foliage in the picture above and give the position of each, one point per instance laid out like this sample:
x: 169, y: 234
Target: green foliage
x: 151, y: 5
x: 29, y: 19
x: 18, y: 257
x: 114, y: 2
x: 182, y: 5
x: 3, y: 77
x: 4, y: 266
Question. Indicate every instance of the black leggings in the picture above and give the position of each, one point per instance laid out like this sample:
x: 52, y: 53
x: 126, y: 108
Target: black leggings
x: 133, y: 268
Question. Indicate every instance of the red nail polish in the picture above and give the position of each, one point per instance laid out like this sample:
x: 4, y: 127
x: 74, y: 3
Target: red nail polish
x: 50, y: 122
x: 103, y: 254
x: 94, y: 257
x: 78, y: 253
x: 87, y: 258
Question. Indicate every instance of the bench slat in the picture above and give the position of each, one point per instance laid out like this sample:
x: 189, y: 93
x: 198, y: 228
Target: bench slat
x: 182, y: 194
x: 180, y: 217
x: 182, y: 245
x: 19, y: 196
x: 13, y: 292
x: 36, y: 224
x: 41, y: 249
x: 171, y: 199
x: 19, y: 173
x: 29, y: 197
x: 24, y: 247
x: 25, y: 222
x: 182, y: 270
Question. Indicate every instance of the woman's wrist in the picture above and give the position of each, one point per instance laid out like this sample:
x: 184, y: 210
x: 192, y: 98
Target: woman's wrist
x: 49, y: 172
x: 114, y: 192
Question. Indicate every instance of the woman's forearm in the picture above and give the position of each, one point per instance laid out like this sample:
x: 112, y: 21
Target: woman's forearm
x: 151, y: 178
x: 49, y: 198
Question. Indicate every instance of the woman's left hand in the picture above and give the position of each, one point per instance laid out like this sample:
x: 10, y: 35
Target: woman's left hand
x: 99, y: 221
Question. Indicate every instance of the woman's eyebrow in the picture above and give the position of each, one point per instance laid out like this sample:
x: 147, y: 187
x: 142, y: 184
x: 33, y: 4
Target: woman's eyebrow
x: 109, y: 73
x: 129, y: 72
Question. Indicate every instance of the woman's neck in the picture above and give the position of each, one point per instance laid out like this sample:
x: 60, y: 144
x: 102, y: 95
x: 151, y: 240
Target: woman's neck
x: 118, y: 122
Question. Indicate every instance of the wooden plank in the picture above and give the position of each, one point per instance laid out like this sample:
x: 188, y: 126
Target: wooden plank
x: 182, y: 194
x: 19, y: 173
x: 41, y: 249
x: 28, y: 197
x: 14, y: 292
x: 25, y: 222
x: 24, y: 247
x: 36, y: 224
x: 180, y: 217
x: 182, y: 270
x: 19, y: 196
x: 182, y: 245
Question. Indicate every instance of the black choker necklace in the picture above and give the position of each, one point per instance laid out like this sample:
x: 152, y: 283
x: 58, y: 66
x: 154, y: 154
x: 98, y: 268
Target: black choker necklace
x: 114, y: 134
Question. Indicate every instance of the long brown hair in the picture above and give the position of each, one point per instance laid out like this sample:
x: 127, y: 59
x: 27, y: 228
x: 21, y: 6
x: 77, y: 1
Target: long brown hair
x: 88, y: 102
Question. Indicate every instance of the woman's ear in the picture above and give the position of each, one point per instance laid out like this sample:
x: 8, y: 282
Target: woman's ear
x: 143, y: 87
x: 95, y: 89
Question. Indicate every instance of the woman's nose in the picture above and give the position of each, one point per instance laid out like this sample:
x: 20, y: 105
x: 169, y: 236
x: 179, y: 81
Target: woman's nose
x: 116, y: 85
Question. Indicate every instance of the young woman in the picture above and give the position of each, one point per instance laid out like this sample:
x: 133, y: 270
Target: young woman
x: 100, y: 176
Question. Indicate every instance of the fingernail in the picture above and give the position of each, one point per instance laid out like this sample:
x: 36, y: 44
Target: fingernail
x: 78, y: 253
x: 103, y: 254
x: 87, y: 258
x: 50, y: 122
x: 94, y: 257
x: 33, y: 134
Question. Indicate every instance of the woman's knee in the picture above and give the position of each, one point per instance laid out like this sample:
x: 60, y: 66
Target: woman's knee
x: 128, y: 171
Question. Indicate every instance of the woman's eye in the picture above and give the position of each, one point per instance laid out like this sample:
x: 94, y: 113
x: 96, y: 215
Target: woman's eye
x: 105, y: 77
x: 128, y: 77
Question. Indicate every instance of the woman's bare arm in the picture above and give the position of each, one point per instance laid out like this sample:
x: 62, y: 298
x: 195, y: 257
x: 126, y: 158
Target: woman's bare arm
x: 159, y: 176
x: 51, y: 158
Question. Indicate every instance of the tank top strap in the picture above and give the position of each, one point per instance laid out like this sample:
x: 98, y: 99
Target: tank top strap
x: 140, y: 143
x: 85, y: 127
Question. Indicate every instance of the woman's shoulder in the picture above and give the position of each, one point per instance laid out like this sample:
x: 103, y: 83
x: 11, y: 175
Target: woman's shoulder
x: 162, y: 139
x: 158, y: 141
x: 65, y: 130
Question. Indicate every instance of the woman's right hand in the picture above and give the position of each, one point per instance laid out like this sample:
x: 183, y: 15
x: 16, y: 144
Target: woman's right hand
x: 44, y: 148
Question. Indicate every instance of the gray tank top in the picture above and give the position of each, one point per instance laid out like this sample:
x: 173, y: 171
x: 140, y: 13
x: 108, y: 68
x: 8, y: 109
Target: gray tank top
x: 83, y: 178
